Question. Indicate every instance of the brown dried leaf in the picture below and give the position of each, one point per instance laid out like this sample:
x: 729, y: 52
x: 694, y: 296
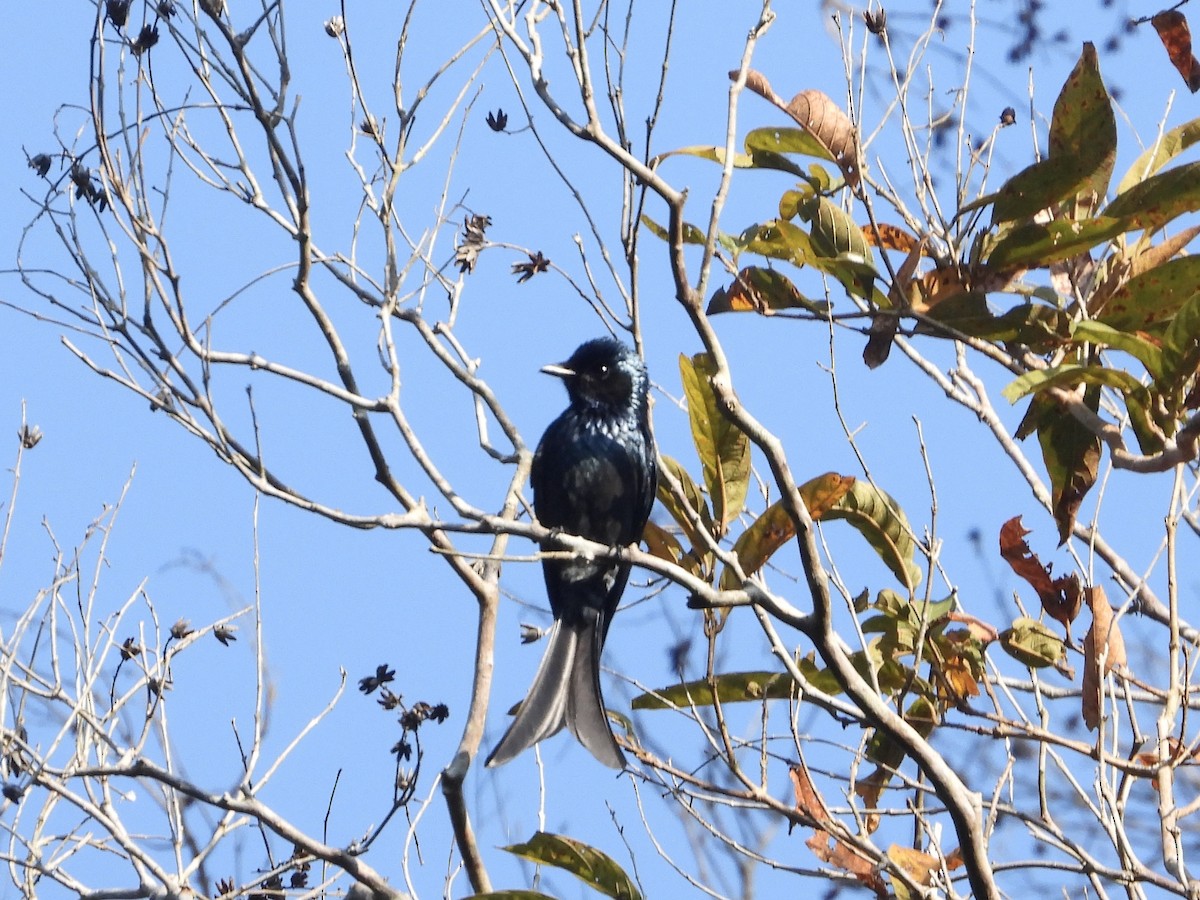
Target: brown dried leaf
x: 1178, y: 754
x: 1153, y: 257
x: 755, y: 289
x: 871, y: 788
x: 960, y: 682
x: 1103, y: 639
x: 939, y: 286
x: 917, y: 863
x: 890, y: 237
x: 899, y: 293
x: 1173, y: 31
x: 982, y: 631
x: 1061, y: 597
x: 758, y: 83
x: 825, y: 847
x: 808, y: 802
x: 847, y: 859
x: 819, y: 116
x: 825, y: 121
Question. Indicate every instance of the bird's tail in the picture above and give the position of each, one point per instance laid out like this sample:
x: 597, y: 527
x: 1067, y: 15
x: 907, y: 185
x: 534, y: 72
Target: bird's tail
x: 586, y: 717
x: 565, y: 691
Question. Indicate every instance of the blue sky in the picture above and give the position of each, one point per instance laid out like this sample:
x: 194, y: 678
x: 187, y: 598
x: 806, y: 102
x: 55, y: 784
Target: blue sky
x: 336, y: 598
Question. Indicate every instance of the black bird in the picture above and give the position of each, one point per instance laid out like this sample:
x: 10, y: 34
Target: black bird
x: 593, y: 475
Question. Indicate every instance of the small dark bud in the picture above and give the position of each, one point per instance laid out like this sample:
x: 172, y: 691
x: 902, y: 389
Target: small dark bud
x: 162, y: 400
x: 29, y: 435
x: 225, y: 634
x: 40, y: 163
x: 146, y: 39
x: 130, y: 649
x: 537, y: 263
x: 181, y: 629
x: 117, y: 12
x: 677, y: 655
x: 472, y: 242
x: 1008, y: 117
x: 271, y: 889
x: 82, y: 179
x: 383, y: 675
x: 498, y: 120
x: 876, y: 22
x: 410, y: 720
x: 13, y: 792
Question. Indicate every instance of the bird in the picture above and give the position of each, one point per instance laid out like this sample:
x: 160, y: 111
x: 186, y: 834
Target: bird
x: 594, y: 475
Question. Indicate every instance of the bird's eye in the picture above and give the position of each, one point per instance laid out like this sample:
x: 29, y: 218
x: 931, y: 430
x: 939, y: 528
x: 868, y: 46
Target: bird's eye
x: 604, y: 371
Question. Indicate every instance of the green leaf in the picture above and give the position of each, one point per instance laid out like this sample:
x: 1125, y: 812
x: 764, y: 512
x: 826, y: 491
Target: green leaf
x: 1030, y: 323
x: 765, y: 159
x: 1147, y: 353
x: 819, y: 679
x: 1171, y: 145
x: 1070, y: 375
x: 1181, y: 350
x: 732, y: 687
x: 1083, y: 145
x: 901, y: 623
x: 691, y: 234
x: 785, y: 140
x: 1034, y: 188
x: 1034, y: 245
x: 695, y: 499
x: 881, y: 749
x: 511, y: 895
x: 1159, y: 199
x: 663, y: 544
x: 778, y: 239
x: 1071, y: 454
x: 765, y: 149
x: 834, y: 233
x: 819, y: 177
x: 881, y: 521
x: 1086, y: 130
x: 774, y: 527
x: 1147, y: 301
x: 1145, y: 429
x: 706, y: 151
x: 724, y: 450
x: 839, y: 246
x: 596, y: 869
x: 1032, y: 643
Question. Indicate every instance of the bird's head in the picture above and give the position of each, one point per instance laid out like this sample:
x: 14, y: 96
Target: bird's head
x: 603, y: 375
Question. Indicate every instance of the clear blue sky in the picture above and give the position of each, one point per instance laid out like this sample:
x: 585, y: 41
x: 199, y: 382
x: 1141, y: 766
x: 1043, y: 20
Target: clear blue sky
x: 334, y: 598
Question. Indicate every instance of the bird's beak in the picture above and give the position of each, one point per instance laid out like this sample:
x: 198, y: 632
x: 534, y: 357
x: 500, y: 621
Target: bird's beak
x: 558, y: 370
